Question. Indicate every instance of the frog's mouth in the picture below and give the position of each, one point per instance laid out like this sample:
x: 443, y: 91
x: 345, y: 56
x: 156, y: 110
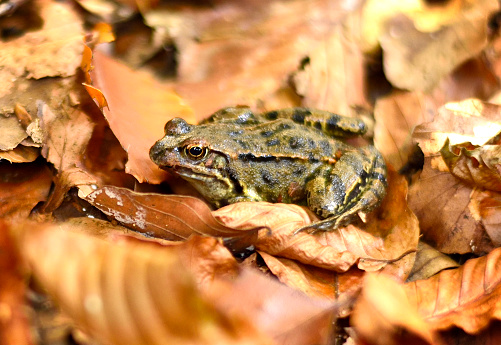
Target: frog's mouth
x: 190, y: 173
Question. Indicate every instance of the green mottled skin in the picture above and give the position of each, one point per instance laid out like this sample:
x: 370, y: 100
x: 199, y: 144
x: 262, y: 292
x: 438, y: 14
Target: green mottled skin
x: 290, y: 155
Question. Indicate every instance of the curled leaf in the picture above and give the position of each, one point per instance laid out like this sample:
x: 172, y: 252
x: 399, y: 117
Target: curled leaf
x: 476, y: 165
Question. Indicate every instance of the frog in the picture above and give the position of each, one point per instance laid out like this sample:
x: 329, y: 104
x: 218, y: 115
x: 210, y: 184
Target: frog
x: 293, y: 155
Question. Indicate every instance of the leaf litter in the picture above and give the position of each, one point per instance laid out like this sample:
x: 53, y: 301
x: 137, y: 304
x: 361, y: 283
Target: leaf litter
x: 153, y: 267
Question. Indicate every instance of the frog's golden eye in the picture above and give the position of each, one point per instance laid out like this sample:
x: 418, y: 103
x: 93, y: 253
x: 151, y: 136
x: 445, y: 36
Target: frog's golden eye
x: 195, y: 151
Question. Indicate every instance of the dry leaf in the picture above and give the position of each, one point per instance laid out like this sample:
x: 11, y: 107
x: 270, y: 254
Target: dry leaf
x: 138, y: 108
x: 11, y: 133
x: 171, y: 217
x: 429, y: 262
x: 396, y: 115
x: 14, y: 324
x: 333, y: 78
x: 478, y: 166
x: 313, y: 281
x: 285, y: 314
x: 21, y: 154
x: 450, y: 211
x: 128, y: 293
x: 22, y: 187
x: 422, y: 42
x: 390, y: 233
x: 467, y: 297
x: 384, y: 316
x: 54, y: 50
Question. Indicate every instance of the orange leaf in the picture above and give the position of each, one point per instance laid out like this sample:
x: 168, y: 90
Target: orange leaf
x: 468, y: 297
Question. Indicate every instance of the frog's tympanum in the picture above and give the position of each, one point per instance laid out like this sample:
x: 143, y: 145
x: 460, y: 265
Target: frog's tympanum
x: 291, y: 156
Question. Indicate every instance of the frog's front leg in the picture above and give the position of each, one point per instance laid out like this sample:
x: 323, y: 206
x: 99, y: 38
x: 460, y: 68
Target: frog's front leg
x: 356, y: 183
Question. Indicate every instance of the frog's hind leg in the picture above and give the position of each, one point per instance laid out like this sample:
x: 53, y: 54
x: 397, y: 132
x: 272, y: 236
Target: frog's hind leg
x: 356, y: 183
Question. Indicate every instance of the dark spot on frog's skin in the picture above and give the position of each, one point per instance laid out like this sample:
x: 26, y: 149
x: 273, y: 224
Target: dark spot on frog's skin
x: 273, y: 142
x: 272, y: 115
x: 300, y: 114
x: 318, y: 125
x: 242, y: 143
x: 268, y: 178
x: 311, y: 143
x: 247, y: 118
x: 299, y: 171
x: 235, y: 133
x: 332, y: 122
x: 295, y: 143
x: 312, y: 159
x: 267, y: 134
x: 284, y: 126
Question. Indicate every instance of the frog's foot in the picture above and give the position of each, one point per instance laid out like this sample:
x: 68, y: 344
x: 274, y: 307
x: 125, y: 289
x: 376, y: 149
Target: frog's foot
x: 355, y: 185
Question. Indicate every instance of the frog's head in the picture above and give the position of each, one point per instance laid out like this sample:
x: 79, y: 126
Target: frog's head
x: 185, y: 150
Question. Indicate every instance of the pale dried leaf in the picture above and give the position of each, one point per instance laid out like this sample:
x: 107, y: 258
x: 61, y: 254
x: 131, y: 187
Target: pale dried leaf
x: 11, y: 133
x: 21, y: 154
x: 467, y: 297
x: 54, y: 50
x: 384, y: 316
x: 429, y: 262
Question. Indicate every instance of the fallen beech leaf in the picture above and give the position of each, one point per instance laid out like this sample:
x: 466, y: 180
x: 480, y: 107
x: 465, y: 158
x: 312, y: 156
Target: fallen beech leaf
x: 133, y: 293
x: 429, y: 262
x: 21, y: 154
x: 427, y: 42
x: 384, y: 316
x: 138, y: 108
x: 449, y: 210
x: 468, y: 297
x: 22, y: 187
x: 396, y: 115
x: 333, y: 79
x: 476, y: 165
x: 469, y: 120
x: 234, y: 53
x: 390, y: 233
x: 66, y: 134
x: 11, y: 133
x: 288, y: 316
x: 313, y: 281
x: 14, y: 325
x: 171, y: 217
x: 54, y: 50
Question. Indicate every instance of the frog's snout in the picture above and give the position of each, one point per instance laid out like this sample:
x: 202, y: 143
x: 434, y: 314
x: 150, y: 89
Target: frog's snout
x: 157, y: 151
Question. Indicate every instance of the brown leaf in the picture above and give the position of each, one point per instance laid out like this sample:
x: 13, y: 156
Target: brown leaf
x: 14, y: 325
x: 22, y: 187
x: 476, y: 165
x: 283, y: 313
x: 429, y: 262
x: 396, y: 115
x: 138, y: 108
x: 130, y: 292
x: 54, y: 50
x: 389, y: 234
x: 333, y: 79
x: 172, y: 217
x: 247, y: 58
x: 21, y: 154
x: 448, y: 209
x: 313, y: 281
x: 11, y: 133
x: 379, y: 324
x: 467, y: 297
x: 422, y: 46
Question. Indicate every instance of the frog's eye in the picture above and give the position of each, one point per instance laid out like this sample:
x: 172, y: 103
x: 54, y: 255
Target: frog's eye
x: 195, y: 151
